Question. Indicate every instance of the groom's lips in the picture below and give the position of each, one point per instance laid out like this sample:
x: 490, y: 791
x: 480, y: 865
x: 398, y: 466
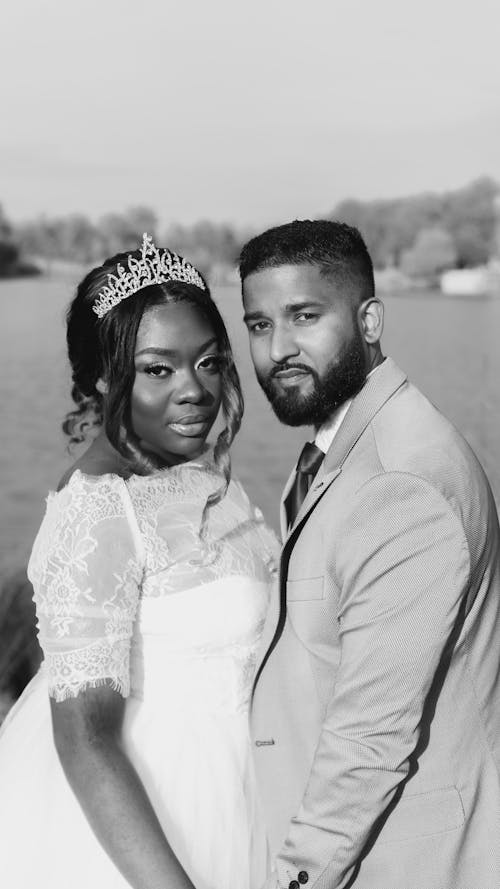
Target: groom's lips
x: 290, y: 374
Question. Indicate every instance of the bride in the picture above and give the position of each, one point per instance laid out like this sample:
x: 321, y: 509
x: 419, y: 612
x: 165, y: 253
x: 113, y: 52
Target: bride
x: 126, y: 762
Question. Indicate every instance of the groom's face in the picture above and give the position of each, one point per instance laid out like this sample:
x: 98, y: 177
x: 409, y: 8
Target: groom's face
x: 306, y: 343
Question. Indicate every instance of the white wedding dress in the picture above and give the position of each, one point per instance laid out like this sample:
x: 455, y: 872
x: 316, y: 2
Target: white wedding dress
x: 127, y: 592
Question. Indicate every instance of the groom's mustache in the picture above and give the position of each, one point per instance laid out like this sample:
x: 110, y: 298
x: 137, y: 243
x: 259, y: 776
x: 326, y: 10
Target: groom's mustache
x: 283, y: 367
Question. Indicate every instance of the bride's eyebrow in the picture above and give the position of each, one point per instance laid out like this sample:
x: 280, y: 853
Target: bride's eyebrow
x: 172, y: 353
x: 154, y: 350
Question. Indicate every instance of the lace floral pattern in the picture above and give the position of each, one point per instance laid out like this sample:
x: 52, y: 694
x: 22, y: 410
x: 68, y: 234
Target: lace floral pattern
x: 169, y: 509
x: 106, y: 543
x: 120, y: 609
x: 86, y: 576
x: 73, y: 671
x: 61, y: 603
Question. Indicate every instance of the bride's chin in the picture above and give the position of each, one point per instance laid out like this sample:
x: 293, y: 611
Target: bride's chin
x: 165, y: 459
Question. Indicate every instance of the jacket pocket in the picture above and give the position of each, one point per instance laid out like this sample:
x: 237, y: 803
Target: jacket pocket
x: 424, y: 814
x: 305, y: 590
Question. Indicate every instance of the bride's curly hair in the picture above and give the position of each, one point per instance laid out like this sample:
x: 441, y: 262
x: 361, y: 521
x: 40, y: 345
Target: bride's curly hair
x: 103, y: 348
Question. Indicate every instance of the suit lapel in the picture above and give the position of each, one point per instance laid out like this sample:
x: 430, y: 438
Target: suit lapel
x: 378, y: 389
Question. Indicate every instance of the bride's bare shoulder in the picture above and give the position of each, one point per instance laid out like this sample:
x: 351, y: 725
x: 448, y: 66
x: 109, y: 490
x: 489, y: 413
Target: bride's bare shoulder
x: 98, y: 460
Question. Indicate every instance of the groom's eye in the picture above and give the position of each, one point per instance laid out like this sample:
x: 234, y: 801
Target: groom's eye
x: 306, y: 316
x: 259, y: 326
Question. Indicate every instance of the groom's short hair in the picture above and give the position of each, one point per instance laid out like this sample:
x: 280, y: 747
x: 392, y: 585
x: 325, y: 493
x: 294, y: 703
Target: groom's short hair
x: 337, y: 248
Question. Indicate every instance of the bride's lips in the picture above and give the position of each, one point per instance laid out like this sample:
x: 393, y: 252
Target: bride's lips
x: 195, y: 426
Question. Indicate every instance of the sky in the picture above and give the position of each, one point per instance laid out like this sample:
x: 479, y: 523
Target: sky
x: 250, y: 112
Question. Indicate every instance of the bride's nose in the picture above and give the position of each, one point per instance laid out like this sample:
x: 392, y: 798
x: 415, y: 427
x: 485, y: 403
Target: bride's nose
x: 190, y: 388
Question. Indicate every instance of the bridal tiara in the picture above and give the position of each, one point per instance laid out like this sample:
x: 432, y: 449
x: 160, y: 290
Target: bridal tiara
x: 153, y: 267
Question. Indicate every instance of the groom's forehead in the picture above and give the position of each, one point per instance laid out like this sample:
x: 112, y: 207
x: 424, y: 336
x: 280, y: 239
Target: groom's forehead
x: 283, y: 287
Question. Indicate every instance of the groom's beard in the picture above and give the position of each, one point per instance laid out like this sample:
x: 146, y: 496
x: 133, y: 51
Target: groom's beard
x: 342, y: 379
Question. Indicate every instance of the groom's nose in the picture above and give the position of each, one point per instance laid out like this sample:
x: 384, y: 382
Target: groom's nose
x: 283, y: 345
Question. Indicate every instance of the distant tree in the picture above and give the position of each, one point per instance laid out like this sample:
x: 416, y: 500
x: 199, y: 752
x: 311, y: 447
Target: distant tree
x: 8, y: 258
x: 471, y: 246
x: 366, y: 217
x: 78, y: 239
x: 469, y: 216
x: 5, y: 226
x: 9, y: 251
x: 42, y: 237
x: 408, y: 217
x: 204, y: 243
x: 433, y: 252
x: 124, y: 231
x: 391, y: 228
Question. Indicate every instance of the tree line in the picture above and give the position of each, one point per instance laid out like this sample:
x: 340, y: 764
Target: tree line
x: 421, y: 235
x: 427, y: 233
x: 11, y: 259
x: 76, y: 239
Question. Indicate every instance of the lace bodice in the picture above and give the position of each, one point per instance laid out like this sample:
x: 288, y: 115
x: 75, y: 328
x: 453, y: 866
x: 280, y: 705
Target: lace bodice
x: 107, y: 545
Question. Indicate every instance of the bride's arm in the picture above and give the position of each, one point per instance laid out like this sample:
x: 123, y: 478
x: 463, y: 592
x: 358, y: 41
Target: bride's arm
x: 87, y: 733
x: 87, y: 574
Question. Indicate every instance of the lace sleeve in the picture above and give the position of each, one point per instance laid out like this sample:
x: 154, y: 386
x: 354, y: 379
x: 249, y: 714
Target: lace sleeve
x: 86, y: 570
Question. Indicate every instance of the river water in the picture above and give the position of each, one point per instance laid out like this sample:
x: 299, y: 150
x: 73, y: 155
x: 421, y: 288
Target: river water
x: 449, y: 348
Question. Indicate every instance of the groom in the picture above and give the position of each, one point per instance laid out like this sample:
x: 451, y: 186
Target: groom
x: 376, y: 711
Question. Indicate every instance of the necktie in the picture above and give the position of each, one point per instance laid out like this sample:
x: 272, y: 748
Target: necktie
x: 310, y: 460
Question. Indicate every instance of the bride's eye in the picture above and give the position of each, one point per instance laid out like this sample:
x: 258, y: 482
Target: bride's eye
x: 211, y: 363
x: 157, y: 370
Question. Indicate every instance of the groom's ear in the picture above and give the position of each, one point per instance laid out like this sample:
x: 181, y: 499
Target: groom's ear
x: 371, y: 320
x: 102, y: 386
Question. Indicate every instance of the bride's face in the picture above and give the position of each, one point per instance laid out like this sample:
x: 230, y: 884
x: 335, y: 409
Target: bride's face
x: 177, y: 389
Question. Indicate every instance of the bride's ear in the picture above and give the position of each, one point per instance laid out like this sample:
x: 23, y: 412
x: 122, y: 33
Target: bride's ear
x: 102, y: 386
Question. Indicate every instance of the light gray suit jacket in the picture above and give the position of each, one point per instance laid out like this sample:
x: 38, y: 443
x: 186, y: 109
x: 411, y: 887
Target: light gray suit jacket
x: 376, y: 710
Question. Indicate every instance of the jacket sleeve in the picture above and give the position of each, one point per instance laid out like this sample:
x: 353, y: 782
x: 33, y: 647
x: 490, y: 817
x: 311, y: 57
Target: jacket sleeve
x: 401, y: 564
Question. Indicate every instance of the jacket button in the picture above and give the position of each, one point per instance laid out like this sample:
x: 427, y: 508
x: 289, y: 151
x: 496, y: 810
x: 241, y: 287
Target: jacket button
x: 293, y: 885
x: 303, y: 877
